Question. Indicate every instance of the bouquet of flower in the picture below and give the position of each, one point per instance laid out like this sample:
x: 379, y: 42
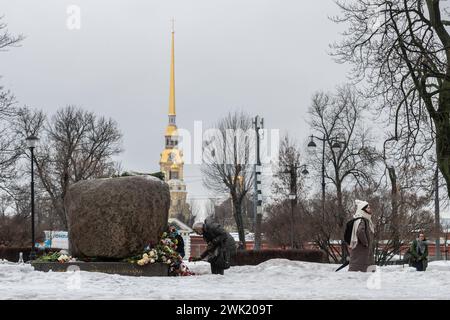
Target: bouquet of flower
x: 163, y: 252
x: 61, y: 256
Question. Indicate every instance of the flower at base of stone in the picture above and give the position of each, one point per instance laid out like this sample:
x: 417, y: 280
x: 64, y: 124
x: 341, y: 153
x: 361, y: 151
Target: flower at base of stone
x: 152, y: 260
x: 64, y: 258
x: 145, y: 255
x: 169, y: 261
x: 141, y: 262
x: 163, y: 259
x: 152, y: 254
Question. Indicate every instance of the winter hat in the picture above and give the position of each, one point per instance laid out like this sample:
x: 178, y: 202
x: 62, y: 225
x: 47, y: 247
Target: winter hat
x: 361, y: 205
x: 360, y: 213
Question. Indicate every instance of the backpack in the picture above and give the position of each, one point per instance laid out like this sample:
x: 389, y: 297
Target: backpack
x: 349, y: 229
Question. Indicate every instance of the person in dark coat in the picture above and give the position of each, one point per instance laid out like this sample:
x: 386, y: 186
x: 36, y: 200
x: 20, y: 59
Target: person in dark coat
x: 361, y: 244
x: 419, y: 253
x: 218, y: 241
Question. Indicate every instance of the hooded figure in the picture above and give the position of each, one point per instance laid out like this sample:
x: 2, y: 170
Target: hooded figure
x: 361, y: 251
x: 175, y: 235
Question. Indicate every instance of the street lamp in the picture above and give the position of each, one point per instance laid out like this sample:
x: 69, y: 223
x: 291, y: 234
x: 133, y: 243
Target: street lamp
x: 305, y: 171
x: 336, y: 146
x: 292, y: 170
x: 312, y: 144
x: 31, y: 143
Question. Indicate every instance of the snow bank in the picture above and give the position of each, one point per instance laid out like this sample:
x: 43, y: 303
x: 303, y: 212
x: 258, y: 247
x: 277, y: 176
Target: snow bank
x: 273, y: 279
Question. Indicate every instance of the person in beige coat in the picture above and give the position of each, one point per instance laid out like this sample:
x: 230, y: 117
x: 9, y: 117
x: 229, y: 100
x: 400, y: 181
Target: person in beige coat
x: 361, y: 244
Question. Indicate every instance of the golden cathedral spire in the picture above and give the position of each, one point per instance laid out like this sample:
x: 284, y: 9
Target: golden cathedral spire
x: 172, y: 158
x: 171, y: 161
x: 172, y: 75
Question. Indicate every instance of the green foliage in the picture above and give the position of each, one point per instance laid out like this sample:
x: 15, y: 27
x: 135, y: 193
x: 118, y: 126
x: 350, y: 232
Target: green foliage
x: 158, y: 175
x: 49, y: 257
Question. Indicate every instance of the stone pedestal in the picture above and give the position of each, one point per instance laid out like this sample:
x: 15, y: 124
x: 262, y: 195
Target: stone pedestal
x: 121, y: 268
x: 115, y: 218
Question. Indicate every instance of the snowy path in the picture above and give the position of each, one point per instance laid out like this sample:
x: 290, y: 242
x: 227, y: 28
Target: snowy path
x: 274, y: 279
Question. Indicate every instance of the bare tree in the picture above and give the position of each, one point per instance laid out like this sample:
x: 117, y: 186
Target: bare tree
x: 338, y: 119
x: 287, y: 177
x: 401, y: 49
x: 9, y: 150
x: 6, y: 39
x: 277, y: 225
x: 9, y: 147
x: 323, y: 224
x: 223, y: 213
x: 226, y: 167
x: 396, y: 226
x: 195, y: 210
x: 74, y: 145
x: 288, y: 184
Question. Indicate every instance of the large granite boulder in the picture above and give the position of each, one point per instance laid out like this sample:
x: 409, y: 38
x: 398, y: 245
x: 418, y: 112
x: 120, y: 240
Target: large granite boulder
x: 115, y: 218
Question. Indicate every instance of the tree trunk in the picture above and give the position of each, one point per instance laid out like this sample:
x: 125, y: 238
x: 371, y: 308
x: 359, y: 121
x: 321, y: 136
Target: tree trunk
x: 437, y: 219
x: 395, y: 205
x: 341, y: 221
x: 442, y: 123
x: 239, y: 221
x: 61, y: 213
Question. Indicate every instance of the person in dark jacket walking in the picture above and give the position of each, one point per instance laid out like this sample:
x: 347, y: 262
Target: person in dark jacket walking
x: 361, y: 252
x: 221, y: 246
x: 419, y: 253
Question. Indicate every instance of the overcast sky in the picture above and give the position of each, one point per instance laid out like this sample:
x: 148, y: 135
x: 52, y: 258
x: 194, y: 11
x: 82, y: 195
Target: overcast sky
x: 265, y: 57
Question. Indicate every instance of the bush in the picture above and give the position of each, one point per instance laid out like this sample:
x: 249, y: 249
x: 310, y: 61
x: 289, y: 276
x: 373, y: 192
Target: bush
x: 250, y: 257
x: 12, y: 253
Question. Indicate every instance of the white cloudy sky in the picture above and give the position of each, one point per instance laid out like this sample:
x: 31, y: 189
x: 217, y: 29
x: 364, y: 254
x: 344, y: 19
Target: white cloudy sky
x: 265, y: 57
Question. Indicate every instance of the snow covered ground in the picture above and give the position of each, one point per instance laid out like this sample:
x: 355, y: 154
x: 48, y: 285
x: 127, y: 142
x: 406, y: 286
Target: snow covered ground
x: 274, y: 279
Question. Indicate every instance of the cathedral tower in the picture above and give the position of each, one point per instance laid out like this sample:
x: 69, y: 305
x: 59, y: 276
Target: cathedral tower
x: 171, y: 161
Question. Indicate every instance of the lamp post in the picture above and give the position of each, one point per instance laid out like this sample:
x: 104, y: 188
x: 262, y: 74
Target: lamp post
x: 31, y: 143
x: 292, y: 170
x: 336, y: 146
x: 312, y: 144
x: 292, y: 198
